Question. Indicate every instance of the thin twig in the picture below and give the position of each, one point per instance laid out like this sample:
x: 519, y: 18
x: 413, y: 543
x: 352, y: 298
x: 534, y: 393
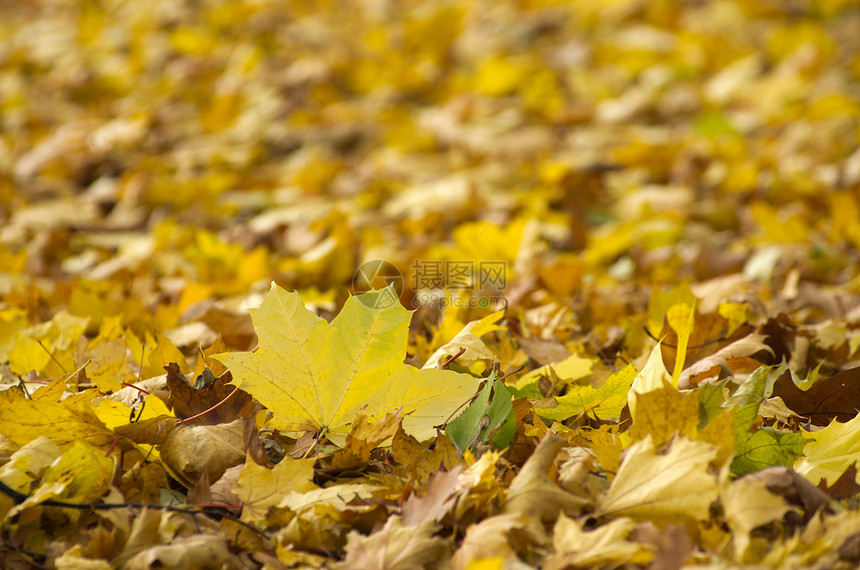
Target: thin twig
x: 138, y: 388
x: 689, y: 347
x: 18, y: 498
x: 453, y: 358
x: 23, y: 385
x: 313, y: 444
x: 194, y: 417
x: 51, y: 356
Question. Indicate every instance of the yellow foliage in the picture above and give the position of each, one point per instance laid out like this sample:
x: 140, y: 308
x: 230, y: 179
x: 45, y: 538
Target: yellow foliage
x: 830, y: 451
x: 317, y: 376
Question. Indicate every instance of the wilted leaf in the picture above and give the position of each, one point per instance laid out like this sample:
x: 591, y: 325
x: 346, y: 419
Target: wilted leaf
x: 845, y: 487
x: 188, y: 451
x: 260, y: 487
x: 188, y: 400
x: 394, y: 547
x: 748, y: 504
x: 442, y: 492
x: 732, y: 358
x: 663, y: 487
x: 197, y: 551
x: 533, y: 495
x: 604, y: 546
x: 791, y: 486
x: 422, y: 461
x: 836, y: 397
x: 364, y: 438
x: 487, y: 539
x: 543, y: 351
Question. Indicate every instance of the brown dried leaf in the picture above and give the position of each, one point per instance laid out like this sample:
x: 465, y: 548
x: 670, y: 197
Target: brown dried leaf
x: 488, y: 539
x: 836, y: 397
x: 364, y: 438
x: 736, y: 357
x: 793, y: 487
x: 191, y: 450
x: 196, y: 551
x: 188, y: 400
x: 534, y: 495
x: 419, y: 459
x: 442, y: 493
x: 543, y: 351
x: 845, y: 487
x: 394, y: 547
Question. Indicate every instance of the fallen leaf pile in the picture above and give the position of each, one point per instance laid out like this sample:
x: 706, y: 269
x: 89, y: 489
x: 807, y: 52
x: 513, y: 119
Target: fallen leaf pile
x: 626, y: 234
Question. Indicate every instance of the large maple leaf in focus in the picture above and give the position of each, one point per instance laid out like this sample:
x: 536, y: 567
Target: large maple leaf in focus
x: 316, y: 376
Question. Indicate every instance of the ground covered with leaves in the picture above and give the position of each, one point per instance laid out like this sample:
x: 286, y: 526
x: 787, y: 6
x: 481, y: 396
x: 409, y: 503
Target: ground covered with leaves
x: 629, y: 229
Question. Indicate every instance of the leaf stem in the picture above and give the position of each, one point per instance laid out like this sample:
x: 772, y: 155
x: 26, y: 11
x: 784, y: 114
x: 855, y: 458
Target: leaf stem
x: 139, y: 389
x: 313, y: 444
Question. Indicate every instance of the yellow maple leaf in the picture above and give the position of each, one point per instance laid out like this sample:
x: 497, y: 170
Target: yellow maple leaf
x: 747, y: 504
x: 27, y: 354
x: 666, y: 487
x: 260, y: 487
x: 313, y: 375
x: 22, y: 421
x: 24, y: 467
x: 498, y: 76
x: 653, y: 376
x: 394, y: 546
x: 663, y: 412
x: 606, y: 545
x: 604, y: 402
x: 569, y: 370
x: 830, y: 451
x: 87, y: 471
x: 310, y: 504
x: 189, y: 451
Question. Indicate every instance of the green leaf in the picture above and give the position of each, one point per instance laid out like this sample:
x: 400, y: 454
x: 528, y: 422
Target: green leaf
x: 604, y: 402
x: 765, y: 447
x: 710, y: 402
x: 749, y: 396
x: 502, y: 408
x: 483, y: 421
